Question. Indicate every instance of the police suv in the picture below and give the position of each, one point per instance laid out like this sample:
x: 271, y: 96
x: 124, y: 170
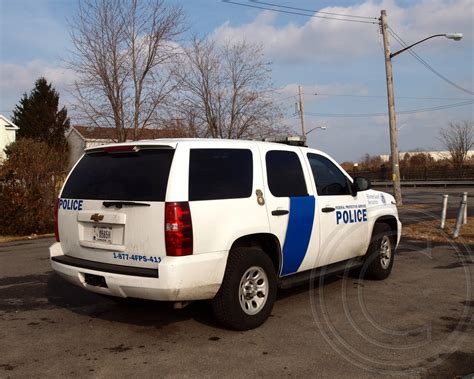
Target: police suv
x: 193, y: 219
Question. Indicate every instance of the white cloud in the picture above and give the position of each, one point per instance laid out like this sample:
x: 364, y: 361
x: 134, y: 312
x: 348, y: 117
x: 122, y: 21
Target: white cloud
x: 323, y: 40
x: 16, y: 79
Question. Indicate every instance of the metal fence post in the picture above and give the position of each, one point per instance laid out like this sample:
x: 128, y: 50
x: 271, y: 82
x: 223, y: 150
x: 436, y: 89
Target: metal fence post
x: 464, y: 198
x: 457, y: 229
x: 443, y: 211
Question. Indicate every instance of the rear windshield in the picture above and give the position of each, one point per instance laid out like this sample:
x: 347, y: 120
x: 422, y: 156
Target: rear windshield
x: 141, y: 176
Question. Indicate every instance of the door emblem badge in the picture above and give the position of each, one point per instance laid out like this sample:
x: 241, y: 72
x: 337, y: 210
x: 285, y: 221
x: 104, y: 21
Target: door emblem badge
x: 97, y: 217
x: 260, y: 199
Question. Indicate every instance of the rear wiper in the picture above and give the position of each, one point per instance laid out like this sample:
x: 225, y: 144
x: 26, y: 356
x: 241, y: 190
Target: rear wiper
x: 120, y: 204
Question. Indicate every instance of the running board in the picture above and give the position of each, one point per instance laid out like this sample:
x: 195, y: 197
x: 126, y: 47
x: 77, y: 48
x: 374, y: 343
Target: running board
x: 305, y: 276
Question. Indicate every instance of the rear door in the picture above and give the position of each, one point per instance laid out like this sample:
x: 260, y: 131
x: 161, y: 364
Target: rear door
x: 224, y: 182
x: 111, y: 208
x: 291, y: 206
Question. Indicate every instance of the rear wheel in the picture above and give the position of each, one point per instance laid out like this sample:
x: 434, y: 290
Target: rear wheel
x: 248, y: 290
x: 379, y: 258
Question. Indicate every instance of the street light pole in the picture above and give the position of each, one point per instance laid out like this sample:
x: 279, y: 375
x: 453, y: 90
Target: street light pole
x: 392, y: 119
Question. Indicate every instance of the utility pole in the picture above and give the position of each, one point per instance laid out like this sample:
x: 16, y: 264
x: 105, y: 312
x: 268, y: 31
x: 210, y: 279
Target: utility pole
x: 301, y: 109
x: 391, y: 111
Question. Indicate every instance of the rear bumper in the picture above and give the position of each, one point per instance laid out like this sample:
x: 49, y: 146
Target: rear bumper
x: 194, y: 277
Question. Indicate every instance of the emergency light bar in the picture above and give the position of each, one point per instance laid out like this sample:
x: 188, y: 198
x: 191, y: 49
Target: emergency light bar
x: 288, y: 140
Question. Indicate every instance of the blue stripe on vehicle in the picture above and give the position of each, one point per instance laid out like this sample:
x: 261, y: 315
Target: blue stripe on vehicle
x: 298, y: 233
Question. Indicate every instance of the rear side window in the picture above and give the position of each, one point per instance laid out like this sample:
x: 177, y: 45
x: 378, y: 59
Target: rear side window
x: 141, y: 176
x: 285, y: 174
x: 220, y: 174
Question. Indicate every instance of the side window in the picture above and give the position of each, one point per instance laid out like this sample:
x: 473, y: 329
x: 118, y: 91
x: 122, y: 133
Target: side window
x: 220, y: 174
x: 329, y: 179
x: 285, y: 174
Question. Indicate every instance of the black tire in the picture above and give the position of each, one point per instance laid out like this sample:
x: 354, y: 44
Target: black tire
x: 226, y: 305
x: 375, y: 266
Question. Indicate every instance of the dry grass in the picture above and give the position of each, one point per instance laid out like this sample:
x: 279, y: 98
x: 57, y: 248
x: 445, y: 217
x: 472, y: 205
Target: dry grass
x: 430, y: 230
x: 22, y: 238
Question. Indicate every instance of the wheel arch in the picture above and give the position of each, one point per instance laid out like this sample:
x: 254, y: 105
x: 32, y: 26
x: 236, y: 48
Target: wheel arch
x: 391, y: 221
x: 268, y: 242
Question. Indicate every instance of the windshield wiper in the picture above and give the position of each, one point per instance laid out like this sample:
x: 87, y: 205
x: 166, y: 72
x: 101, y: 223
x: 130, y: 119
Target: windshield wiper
x: 120, y: 204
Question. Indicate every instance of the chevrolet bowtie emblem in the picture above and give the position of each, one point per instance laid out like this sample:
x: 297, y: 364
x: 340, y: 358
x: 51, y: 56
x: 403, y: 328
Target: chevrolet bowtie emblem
x: 97, y: 217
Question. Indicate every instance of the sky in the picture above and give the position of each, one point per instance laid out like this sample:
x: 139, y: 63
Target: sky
x: 339, y: 64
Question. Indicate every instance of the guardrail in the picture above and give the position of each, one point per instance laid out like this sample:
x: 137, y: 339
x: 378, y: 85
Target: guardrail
x: 425, y: 183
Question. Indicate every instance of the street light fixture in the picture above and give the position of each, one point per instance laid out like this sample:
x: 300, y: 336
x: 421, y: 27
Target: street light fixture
x: 317, y: 127
x: 453, y: 36
x: 391, y: 99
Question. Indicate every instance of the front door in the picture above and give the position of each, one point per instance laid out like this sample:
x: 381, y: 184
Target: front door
x: 342, y: 216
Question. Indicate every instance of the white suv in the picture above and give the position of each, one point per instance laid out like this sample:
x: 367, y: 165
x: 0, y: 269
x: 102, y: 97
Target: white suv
x: 190, y: 219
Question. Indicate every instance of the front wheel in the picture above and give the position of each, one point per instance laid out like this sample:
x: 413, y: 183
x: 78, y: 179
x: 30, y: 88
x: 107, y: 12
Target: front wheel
x: 248, y: 290
x: 379, y: 258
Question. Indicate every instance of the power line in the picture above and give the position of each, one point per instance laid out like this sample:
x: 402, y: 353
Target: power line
x: 311, y: 10
x: 297, y: 13
x: 385, y: 96
x: 285, y: 98
x: 408, y: 111
x: 426, y: 64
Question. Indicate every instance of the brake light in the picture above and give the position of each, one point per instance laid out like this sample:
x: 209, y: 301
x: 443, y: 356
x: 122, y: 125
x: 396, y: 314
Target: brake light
x: 121, y: 149
x: 56, y: 228
x: 178, y: 229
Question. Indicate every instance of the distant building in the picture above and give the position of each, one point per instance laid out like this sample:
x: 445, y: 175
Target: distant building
x: 7, y: 134
x: 436, y: 155
x: 80, y: 138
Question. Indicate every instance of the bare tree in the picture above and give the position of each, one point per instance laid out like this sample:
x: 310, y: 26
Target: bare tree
x: 458, y: 138
x: 122, y: 55
x: 226, y: 91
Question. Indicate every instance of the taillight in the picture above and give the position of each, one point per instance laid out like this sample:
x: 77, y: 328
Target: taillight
x: 178, y: 229
x: 56, y: 229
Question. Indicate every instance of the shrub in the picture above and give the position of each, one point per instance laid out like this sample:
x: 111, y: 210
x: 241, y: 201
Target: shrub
x: 29, y: 183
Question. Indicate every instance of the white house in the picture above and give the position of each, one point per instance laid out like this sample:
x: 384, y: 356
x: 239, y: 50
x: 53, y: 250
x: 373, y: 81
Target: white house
x: 7, y: 134
x: 81, y: 137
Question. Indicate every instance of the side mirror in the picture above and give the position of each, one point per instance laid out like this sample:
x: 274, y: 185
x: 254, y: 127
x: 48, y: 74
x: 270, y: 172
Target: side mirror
x: 360, y: 184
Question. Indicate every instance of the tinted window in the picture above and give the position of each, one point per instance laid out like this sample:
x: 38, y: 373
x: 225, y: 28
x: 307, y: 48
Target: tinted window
x: 329, y: 179
x: 121, y: 176
x: 284, y: 174
x: 220, y: 174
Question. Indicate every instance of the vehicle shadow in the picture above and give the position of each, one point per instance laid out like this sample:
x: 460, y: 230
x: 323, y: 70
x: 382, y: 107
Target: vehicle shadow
x: 146, y: 313
x: 48, y: 291
x: 138, y: 312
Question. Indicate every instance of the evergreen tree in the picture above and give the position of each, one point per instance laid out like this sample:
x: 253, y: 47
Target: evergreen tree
x: 38, y: 117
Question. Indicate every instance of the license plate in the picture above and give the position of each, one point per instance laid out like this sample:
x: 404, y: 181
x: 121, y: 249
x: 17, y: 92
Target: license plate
x: 102, y: 234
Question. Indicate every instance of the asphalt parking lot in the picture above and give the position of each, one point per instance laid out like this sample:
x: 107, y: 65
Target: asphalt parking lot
x: 418, y: 322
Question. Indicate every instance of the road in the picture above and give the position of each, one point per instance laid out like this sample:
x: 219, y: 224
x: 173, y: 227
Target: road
x: 425, y: 203
x: 418, y: 322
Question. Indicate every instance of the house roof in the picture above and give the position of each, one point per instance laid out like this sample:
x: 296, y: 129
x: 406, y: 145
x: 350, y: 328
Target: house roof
x: 9, y: 124
x: 101, y: 133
